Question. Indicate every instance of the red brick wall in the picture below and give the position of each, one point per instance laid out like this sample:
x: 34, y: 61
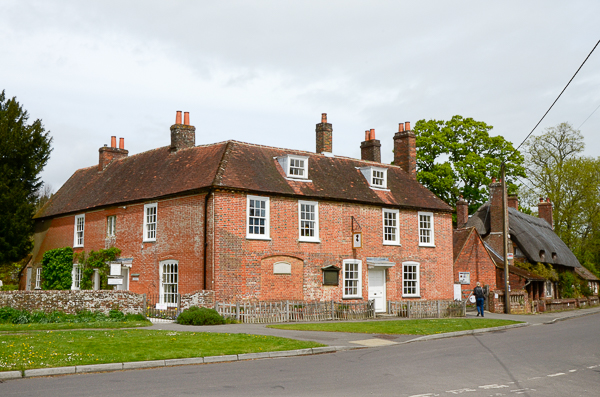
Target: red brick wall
x: 239, y: 263
x: 179, y: 237
x: 239, y: 268
x: 474, y: 259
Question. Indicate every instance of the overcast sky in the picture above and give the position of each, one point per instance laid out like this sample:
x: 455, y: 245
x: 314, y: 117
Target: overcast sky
x: 264, y: 71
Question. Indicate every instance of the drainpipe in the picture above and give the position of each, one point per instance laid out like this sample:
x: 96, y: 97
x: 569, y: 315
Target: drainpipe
x: 205, y: 238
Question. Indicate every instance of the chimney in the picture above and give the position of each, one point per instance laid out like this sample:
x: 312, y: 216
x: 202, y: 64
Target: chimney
x: 513, y: 201
x: 108, y: 154
x: 182, y: 135
x: 370, y: 149
x: 545, y: 211
x: 496, y: 237
x: 324, y: 135
x: 405, y: 151
x: 462, y: 213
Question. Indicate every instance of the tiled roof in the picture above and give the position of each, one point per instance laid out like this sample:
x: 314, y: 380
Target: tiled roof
x: 586, y: 274
x: 254, y: 168
x: 459, y: 238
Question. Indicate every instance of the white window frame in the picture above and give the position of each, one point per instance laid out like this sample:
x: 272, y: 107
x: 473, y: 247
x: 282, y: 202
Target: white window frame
x: 289, y: 163
x: 354, y: 283
x: 79, y: 232
x: 169, y: 282
x: 76, y: 275
x: 411, y: 283
x: 258, y: 236
x: 396, y: 228
x: 370, y: 176
x: 111, y: 226
x: 303, y: 222
x: 38, y: 278
x: 149, y: 231
x: 548, y: 289
x: 431, y: 242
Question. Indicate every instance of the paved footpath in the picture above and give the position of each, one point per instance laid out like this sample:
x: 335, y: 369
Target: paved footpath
x: 335, y: 341
x: 350, y: 340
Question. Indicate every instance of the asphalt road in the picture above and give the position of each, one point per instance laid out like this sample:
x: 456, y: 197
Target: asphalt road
x: 560, y: 359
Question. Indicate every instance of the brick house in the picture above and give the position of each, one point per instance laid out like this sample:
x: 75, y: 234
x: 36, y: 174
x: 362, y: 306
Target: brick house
x: 531, y: 240
x: 472, y: 262
x: 253, y: 222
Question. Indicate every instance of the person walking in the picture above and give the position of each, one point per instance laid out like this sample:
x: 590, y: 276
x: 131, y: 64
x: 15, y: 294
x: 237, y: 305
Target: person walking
x: 480, y: 297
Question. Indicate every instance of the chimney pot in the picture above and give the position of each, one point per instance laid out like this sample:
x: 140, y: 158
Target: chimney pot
x: 113, y: 141
x: 372, y: 134
x: 121, y: 143
x: 178, y: 117
x: 407, y: 126
x: 323, y: 117
x: 186, y: 118
x: 367, y: 134
x: 401, y: 127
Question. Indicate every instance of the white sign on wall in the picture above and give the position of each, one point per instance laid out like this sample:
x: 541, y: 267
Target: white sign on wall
x: 464, y: 277
x: 115, y: 281
x: 115, y: 269
x: 357, y: 240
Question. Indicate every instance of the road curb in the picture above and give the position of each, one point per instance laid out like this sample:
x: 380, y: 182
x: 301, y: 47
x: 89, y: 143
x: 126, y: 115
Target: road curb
x: 109, y: 367
x: 468, y: 332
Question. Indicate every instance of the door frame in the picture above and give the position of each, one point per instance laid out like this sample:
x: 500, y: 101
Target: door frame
x: 382, y: 270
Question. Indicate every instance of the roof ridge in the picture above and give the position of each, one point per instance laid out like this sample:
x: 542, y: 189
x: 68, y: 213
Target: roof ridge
x: 218, y: 179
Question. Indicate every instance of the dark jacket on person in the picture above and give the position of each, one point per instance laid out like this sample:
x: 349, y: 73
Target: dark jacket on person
x: 478, y: 291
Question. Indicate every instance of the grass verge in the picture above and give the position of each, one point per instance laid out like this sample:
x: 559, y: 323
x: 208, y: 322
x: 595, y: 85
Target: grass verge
x: 400, y: 327
x: 61, y: 326
x: 65, y: 348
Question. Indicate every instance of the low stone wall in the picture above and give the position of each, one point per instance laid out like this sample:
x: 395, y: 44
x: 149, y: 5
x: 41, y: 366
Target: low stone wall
x: 570, y: 304
x: 519, y: 302
x: 73, y: 301
x: 198, y: 298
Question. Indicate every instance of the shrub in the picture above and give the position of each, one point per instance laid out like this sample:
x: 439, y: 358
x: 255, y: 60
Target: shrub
x: 200, y: 316
x: 57, y: 265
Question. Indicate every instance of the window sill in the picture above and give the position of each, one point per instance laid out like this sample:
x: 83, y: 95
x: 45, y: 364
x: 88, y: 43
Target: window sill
x: 347, y: 298
x: 411, y: 296
x: 289, y: 178
x: 149, y: 241
x: 258, y: 238
x: 392, y: 244
x: 309, y: 241
x: 427, y: 245
x: 383, y: 189
x: 78, y: 246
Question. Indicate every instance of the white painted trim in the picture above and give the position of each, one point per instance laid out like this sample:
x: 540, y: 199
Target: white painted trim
x: 431, y: 242
x: 397, y: 231
x: 359, y: 284
x: 76, y: 243
x: 418, y: 292
x: 267, y: 234
x: 315, y: 238
x: 145, y: 229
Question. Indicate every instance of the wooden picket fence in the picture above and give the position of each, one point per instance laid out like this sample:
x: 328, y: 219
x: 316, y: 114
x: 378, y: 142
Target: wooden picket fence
x: 295, y: 311
x: 427, y: 309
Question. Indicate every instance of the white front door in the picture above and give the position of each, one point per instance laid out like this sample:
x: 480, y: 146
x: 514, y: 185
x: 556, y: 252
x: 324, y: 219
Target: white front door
x: 377, y: 288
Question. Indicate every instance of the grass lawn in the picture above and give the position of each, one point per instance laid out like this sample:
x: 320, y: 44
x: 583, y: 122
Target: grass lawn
x: 58, y: 326
x: 401, y: 327
x: 41, y: 349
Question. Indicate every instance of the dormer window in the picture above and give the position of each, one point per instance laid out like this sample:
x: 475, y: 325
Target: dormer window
x: 376, y: 176
x: 295, y: 167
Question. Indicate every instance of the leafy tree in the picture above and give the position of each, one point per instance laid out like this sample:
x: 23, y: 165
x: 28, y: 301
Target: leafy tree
x: 57, y: 265
x: 557, y: 170
x: 459, y: 157
x: 24, y: 151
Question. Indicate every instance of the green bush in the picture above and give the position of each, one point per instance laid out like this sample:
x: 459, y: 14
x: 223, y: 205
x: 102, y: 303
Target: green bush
x: 200, y: 316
